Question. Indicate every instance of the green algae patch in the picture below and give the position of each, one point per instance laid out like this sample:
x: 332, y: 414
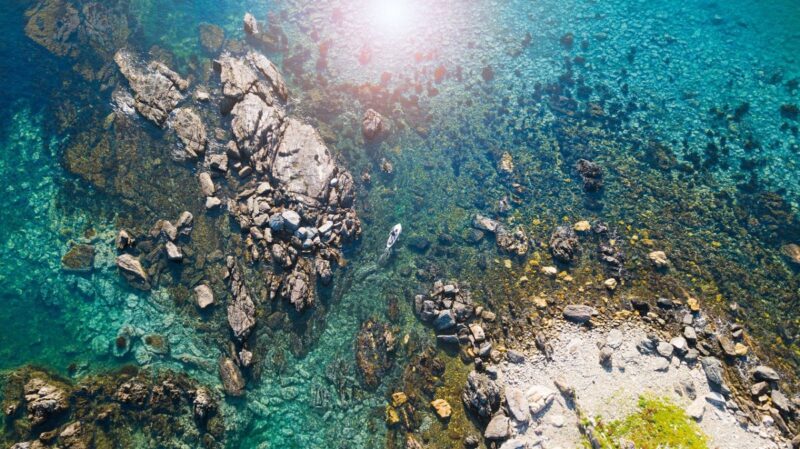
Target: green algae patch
x: 658, y: 423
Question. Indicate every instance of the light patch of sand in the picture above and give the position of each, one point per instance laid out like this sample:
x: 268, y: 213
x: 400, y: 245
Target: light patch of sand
x: 613, y: 393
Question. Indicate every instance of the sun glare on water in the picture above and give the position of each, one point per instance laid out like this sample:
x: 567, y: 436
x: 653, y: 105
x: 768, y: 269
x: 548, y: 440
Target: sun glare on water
x: 392, y: 16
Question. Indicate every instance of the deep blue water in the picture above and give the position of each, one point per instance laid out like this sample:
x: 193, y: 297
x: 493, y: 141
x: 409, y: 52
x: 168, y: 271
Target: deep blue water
x: 671, y: 66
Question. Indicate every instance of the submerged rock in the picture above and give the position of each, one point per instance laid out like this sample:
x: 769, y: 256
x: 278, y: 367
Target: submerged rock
x: 591, y: 174
x: 79, y: 259
x: 372, y: 125
x: 564, y: 244
x: 514, y: 242
x: 792, y: 252
x: 157, y: 89
x: 232, y: 380
x: 374, y: 347
x: 241, y: 309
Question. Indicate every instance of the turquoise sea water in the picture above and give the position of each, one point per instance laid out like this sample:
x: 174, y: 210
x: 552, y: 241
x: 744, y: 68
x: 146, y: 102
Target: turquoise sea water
x: 462, y: 82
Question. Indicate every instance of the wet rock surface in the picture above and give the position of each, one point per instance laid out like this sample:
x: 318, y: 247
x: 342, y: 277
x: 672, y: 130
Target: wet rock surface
x: 127, y: 408
x: 374, y: 349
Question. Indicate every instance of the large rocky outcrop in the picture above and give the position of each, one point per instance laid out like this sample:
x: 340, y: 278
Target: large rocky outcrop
x: 255, y: 125
x: 157, y: 89
x: 303, y: 164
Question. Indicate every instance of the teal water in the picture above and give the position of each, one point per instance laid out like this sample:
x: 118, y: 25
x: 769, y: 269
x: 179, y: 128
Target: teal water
x: 463, y: 82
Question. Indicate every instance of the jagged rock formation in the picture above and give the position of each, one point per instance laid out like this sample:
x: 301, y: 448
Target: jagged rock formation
x: 157, y: 89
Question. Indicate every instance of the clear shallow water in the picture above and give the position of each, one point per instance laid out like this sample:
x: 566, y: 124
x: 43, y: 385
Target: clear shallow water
x: 689, y: 57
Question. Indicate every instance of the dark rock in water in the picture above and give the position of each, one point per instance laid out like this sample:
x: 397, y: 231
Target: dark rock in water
x: 591, y: 174
x: 115, y: 407
x: 418, y: 243
x: 79, y: 259
x: 579, y: 313
x: 133, y: 393
x: 513, y: 242
x: 250, y: 24
x: 157, y: 89
x: 766, y: 373
x: 372, y: 125
x: 374, y: 347
x: 564, y: 244
x: 482, y: 396
x: 45, y: 401
x: 192, y: 133
x: 445, y: 320
x: 232, y: 380
x: 241, y: 309
x: 211, y: 37
x: 133, y: 271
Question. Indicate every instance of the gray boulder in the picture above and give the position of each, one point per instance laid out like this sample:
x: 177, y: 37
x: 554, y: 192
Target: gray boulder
x: 241, y: 309
x: 157, y: 89
x: 579, y: 313
x: 303, y: 165
x: 481, y: 395
x: 192, y: 133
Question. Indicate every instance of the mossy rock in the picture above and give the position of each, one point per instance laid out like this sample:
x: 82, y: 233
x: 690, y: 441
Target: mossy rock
x: 79, y: 259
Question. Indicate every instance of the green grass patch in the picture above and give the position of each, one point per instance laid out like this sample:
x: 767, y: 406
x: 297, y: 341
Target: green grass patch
x: 658, y: 424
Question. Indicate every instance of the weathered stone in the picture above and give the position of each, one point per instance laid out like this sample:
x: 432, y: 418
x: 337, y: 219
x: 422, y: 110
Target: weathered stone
x: 44, y: 401
x: 659, y: 259
x: 564, y: 244
x: 79, y: 259
x: 442, y: 408
x: 132, y: 269
x: 269, y: 71
x: 481, y: 395
x: 157, y: 88
x: 232, y: 380
x: 579, y: 313
x: 485, y: 224
x: 204, y: 296
x: 539, y: 397
x: 499, y: 428
x: 713, y: 369
x: 174, y: 253
x: 518, y: 405
x: 191, y: 131
x: 766, y: 373
x: 241, y: 309
x: 303, y: 165
x: 372, y: 125
x: 250, y: 24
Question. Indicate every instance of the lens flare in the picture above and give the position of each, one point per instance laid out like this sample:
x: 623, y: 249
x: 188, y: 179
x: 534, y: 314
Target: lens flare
x: 392, y: 15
